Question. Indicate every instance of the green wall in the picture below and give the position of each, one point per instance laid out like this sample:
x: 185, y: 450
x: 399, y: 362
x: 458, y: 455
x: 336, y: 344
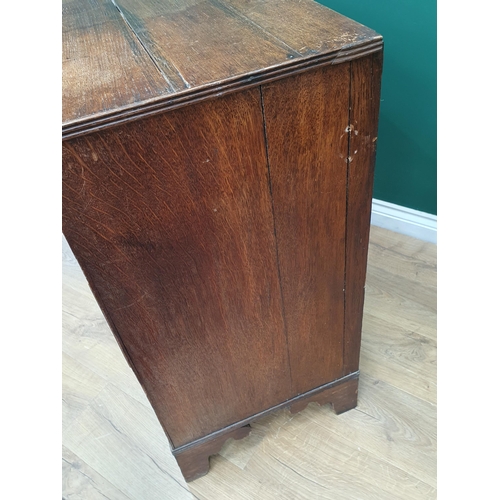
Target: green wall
x: 405, y: 171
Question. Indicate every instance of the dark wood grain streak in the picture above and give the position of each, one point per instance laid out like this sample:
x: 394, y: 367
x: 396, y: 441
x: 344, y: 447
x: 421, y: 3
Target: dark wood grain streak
x: 365, y: 102
x: 171, y: 221
x: 306, y: 119
x: 103, y: 64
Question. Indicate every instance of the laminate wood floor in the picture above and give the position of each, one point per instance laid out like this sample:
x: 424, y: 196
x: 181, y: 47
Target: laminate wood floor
x: 114, y: 447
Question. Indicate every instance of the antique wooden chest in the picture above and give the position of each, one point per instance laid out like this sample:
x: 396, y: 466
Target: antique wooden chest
x: 218, y: 162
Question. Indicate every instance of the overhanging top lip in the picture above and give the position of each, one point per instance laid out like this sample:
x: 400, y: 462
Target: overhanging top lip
x: 105, y: 119
x: 360, y: 41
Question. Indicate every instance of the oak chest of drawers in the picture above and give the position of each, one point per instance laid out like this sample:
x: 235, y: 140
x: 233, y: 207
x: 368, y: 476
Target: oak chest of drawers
x: 218, y: 164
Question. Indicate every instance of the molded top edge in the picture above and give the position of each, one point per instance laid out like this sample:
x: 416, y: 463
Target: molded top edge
x: 125, y: 58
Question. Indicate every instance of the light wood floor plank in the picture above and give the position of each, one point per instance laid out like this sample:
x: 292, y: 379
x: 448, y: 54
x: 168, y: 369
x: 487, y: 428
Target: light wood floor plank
x: 408, y: 290
x: 385, y: 301
x: 80, y: 386
x: 314, y: 463
x: 405, y: 359
x: 81, y: 482
x: 228, y: 481
x: 114, y: 455
x: 400, y: 264
x: 139, y: 424
x: 391, y: 424
x: 399, y: 244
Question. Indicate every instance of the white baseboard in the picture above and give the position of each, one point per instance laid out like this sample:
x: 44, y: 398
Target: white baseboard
x: 404, y: 220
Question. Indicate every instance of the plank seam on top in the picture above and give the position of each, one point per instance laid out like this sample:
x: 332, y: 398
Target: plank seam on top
x: 170, y: 84
x: 225, y: 7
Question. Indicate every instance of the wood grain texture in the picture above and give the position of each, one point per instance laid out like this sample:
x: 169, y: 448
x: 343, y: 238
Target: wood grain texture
x: 406, y: 264
x: 104, y: 66
x: 229, y: 482
x: 312, y: 454
x: 80, y: 386
x: 417, y: 318
x: 306, y: 117
x: 81, y: 482
x: 364, y: 103
x: 420, y: 253
x: 182, y: 51
x: 178, y: 246
x: 308, y: 459
x: 383, y: 425
x: 308, y: 27
x: 185, y: 35
x: 113, y: 430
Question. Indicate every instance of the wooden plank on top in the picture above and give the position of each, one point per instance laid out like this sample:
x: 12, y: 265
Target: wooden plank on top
x: 104, y: 66
x: 306, y: 26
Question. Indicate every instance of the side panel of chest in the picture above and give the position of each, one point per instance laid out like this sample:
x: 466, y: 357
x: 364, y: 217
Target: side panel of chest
x: 226, y: 244
x: 171, y: 220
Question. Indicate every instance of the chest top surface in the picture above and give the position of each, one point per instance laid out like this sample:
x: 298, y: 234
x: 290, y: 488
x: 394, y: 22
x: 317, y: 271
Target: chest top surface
x: 128, y: 58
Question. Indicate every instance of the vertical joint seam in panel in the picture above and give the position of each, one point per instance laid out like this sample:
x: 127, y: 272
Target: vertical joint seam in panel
x: 150, y: 55
x: 264, y: 129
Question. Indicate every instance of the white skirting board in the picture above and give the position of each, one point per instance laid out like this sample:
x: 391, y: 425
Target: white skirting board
x: 404, y: 220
